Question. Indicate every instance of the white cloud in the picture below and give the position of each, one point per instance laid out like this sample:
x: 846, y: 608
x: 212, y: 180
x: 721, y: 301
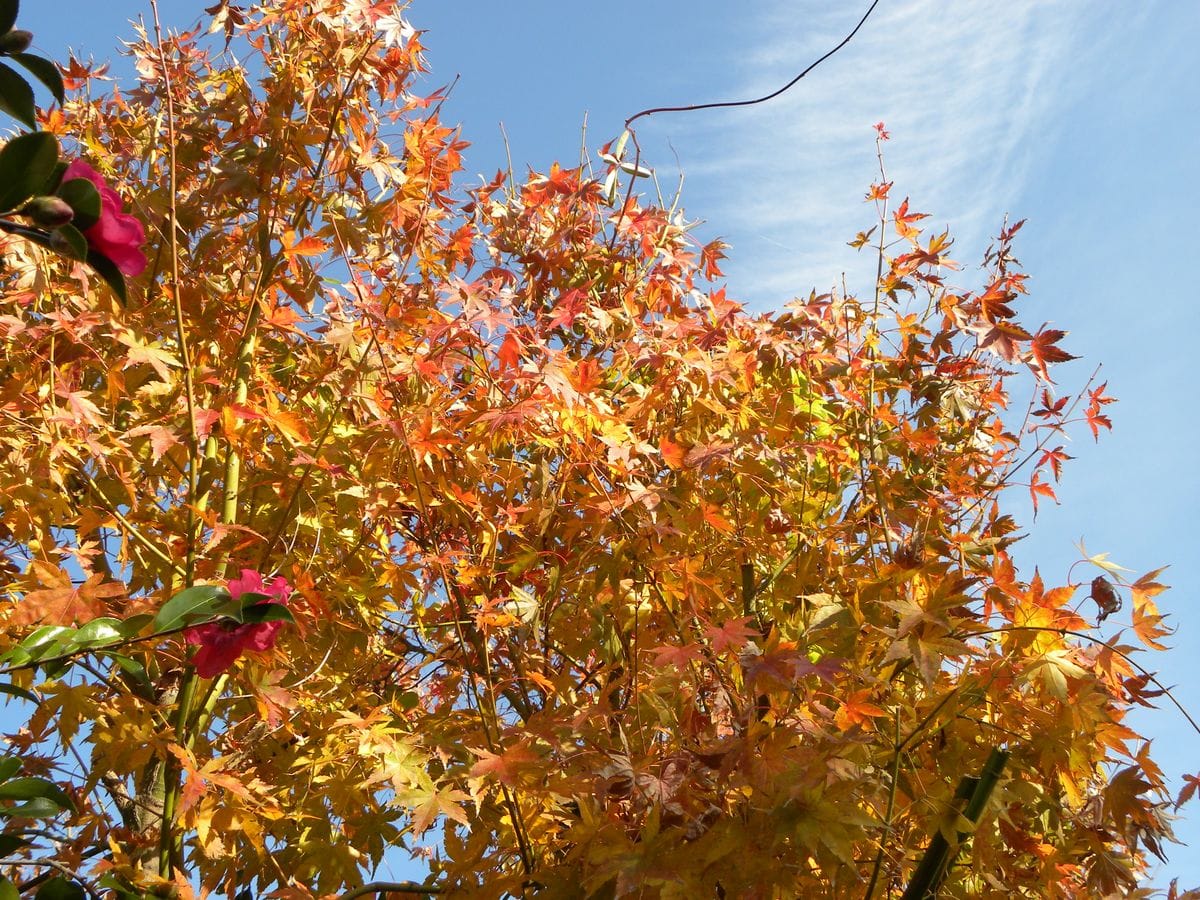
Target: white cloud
x: 969, y: 91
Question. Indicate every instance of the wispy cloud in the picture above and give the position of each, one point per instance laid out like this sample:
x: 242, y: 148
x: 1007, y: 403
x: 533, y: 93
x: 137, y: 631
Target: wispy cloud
x: 970, y: 92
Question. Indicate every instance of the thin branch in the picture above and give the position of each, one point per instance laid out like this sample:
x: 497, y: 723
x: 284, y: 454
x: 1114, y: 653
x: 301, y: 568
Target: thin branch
x: 725, y: 104
x: 384, y: 888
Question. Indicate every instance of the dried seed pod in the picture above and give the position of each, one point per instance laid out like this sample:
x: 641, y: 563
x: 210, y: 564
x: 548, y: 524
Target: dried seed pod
x: 1105, y: 596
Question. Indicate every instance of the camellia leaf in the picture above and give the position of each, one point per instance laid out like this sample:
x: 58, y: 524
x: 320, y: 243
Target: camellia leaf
x: 133, y: 669
x: 98, y: 633
x: 34, y: 788
x: 70, y: 240
x: 44, y: 71
x: 193, y: 604
x: 37, y: 808
x: 26, y: 162
x: 13, y: 691
x: 9, y: 766
x: 106, y: 269
x: 59, y: 888
x: 8, y: 14
x: 133, y: 626
x: 267, y: 612
x: 39, y: 643
x: 16, y: 97
x: 81, y: 195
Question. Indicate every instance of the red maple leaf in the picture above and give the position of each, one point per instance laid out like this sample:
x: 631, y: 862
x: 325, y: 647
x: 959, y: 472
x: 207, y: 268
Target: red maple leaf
x: 734, y: 634
x: 1043, y: 350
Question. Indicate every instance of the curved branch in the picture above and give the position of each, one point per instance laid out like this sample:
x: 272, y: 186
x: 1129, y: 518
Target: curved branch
x: 725, y: 104
x: 390, y: 887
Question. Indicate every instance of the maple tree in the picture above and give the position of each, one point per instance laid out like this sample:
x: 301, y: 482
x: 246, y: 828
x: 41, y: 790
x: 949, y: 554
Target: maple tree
x: 497, y: 522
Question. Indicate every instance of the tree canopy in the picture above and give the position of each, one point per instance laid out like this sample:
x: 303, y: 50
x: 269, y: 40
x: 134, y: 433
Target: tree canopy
x: 385, y: 510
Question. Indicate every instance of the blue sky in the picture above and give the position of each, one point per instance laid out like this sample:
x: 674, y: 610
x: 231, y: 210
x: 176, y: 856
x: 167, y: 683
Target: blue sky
x: 1082, y: 116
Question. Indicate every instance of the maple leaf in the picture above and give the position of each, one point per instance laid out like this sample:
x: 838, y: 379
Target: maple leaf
x: 63, y: 603
x: 448, y: 803
x: 862, y: 238
x: 902, y: 220
x: 1003, y: 339
x: 673, y: 454
x: 1043, y: 350
x: 732, y: 635
x: 703, y: 454
x: 1190, y: 784
x: 710, y: 255
x: 678, y: 657
x: 1096, y: 420
x: 1146, y: 619
x: 505, y: 767
x: 856, y: 710
x: 1038, y: 488
x: 1055, y: 458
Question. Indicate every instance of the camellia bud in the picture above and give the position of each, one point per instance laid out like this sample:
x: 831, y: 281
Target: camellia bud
x: 16, y: 41
x: 48, y: 212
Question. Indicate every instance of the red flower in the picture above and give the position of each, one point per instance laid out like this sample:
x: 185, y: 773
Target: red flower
x: 221, y: 643
x: 117, y: 235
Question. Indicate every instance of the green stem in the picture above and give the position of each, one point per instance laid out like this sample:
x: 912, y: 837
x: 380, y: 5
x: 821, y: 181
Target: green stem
x: 970, y: 798
x: 170, y: 844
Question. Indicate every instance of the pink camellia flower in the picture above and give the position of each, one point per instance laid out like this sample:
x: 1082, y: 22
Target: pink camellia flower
x: 221, y: 643
x: 117, y: 235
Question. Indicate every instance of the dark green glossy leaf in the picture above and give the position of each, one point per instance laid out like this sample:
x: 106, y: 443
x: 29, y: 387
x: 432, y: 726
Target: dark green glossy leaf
x: 60, y: 888
x: 44, y: 71
x: 107, y: 269
x: 133, y: 626
x: 26, y: 164
x: 8, y: 15
x: 13, y: 691
x: 16, y: 97
x: 81, y: 195
x: 9, y: 766
x: 39, y: 643
x: 193, y: 604
x: 37, y: 808
x: 34, y: 788
x: 120, y: 888
x: 97, y: 633
x: 69, y: 241
x: 133, y: 669
x: 267, y: 612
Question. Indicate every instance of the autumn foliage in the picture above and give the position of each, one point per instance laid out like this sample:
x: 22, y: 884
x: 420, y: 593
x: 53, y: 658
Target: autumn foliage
x: 601, y: 585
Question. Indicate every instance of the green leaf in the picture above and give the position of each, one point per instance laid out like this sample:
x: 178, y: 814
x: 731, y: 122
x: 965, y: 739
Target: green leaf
x: 37, y: 808
x: 133, y: 626
x: 106, y: 269
x: 26, y: 164
x: 267, y: 612
x: 16, y: 97
x: 69, y: 241
x: 120, y: 888
x: 9, y: 766
x: 9, y: 843
x: 13, y: 691
x: 8, y: 15
x: 97, y: 633
x: 81, y: 195
x: 131, y: 667
x: 60, y: 888
x: 39, y: 643
x: 44, y: 71
x: 35, y: 788
x: 190, y: 605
